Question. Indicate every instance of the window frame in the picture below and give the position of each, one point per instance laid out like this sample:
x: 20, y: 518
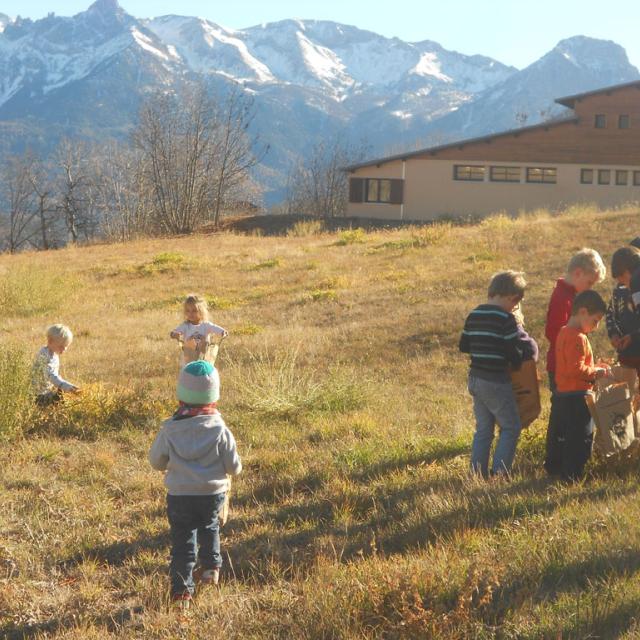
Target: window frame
x: 600, y: 121
x: 601, y: 173
x: 636, y: 178
x: 506, y: 170
x: 378, y: 182
x: 619, y: 173
x: 545, y: 173
x: 582, y: 174
x: 459, y: 178
x: 627, y: 121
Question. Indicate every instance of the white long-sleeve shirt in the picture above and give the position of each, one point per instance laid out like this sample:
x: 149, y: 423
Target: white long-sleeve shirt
x: 46, y: 373
x: 200, y: 330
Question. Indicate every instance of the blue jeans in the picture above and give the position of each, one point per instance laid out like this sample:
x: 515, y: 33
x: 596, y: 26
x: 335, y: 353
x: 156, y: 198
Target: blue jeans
x: 193, y: 521
x: 493, y: 402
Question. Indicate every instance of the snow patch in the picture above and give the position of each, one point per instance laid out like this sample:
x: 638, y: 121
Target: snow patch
x: 429, y: 65
x: 147, y: 44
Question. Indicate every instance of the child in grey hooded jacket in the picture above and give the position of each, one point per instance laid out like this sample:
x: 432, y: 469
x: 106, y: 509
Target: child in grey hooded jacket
x: 198, y: 452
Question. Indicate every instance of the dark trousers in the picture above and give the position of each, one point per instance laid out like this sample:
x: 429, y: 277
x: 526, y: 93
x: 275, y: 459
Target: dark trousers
x: 553, y: 456
x: 570, y: 448
x: 193, y: 521
x: 49, y: 398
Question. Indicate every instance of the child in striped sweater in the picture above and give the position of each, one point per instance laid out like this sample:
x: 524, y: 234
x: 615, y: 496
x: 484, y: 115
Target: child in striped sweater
x: 492, y: 339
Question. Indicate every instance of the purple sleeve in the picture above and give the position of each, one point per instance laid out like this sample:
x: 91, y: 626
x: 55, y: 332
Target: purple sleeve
x: 528, y: 345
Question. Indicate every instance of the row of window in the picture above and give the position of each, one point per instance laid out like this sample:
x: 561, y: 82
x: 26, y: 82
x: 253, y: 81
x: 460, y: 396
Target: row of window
x: 477, y: 173
x: 605, y: 176
x: 544, y: 175
x: 601, y: 121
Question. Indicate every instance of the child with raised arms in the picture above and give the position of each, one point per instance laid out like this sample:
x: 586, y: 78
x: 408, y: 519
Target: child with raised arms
x: 194, y: 332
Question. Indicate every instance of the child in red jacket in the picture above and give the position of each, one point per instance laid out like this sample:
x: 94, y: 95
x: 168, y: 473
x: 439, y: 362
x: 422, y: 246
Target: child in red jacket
x: 584, y: 271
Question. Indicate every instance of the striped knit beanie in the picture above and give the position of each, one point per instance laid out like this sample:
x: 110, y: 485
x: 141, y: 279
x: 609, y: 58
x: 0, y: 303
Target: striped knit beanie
x: 199, y: 383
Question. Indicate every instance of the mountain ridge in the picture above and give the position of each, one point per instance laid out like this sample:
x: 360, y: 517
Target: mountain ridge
x: 310, y: 80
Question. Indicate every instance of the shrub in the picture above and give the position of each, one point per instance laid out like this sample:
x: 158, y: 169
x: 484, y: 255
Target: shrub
x: 219, y: 303
x: 275, y: 385
x: 31, y: 291
x: 267, y: 264
x: 427, y: 236
x: 165, y: 262
x: 306, y: 228
x: 351, y: 236
x: 247, y: 329
x: 100, y: 410
x: 17, y: 405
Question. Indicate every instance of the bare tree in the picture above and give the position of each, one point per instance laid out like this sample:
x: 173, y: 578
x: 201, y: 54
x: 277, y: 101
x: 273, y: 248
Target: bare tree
x: 123, y: 196
x: 18, y: 196
x: 317, y: 185
x: 237, y: 151
x: 196, y: 150
x: 40, y: 178
x: 75, y: 186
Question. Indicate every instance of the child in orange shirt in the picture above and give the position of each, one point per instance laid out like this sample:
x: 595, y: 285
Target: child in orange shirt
x: 575, y: 374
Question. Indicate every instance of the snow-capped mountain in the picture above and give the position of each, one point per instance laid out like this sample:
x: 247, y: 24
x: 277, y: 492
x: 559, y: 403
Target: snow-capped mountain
x: 310, y: 80
x: 575, y: 65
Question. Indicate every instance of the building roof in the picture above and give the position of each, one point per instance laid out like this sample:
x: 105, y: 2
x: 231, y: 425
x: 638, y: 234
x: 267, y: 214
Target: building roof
x: 568, y: 101
x: 460, y: 143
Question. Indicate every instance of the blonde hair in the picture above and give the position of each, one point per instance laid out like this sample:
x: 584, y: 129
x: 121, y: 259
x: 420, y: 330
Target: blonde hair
x: 588, y: 260
x: 200, y: 304
x: 60, y: 333
x: 507, y: 283
x: 518, y: 315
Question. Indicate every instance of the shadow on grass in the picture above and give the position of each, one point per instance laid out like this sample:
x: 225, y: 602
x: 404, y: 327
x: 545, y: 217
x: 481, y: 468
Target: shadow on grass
x: 112, y: 623
x: 381, y: 528
x: 116, y: 554
x: 595, y: 615
x: 276, y: 492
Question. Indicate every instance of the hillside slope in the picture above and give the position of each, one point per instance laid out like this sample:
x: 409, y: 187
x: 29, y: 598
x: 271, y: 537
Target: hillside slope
x: 355, y: 516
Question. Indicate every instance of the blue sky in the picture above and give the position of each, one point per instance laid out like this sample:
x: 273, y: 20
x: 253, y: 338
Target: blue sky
x: 513, y: 32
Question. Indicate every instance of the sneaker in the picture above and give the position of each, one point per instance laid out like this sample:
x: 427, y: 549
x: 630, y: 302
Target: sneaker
x: 210, y: 576
x: 181, y: 602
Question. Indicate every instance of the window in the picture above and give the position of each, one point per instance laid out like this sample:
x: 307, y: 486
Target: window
x: 636, y: 178
x: 601, y: 121
x: 623, y: 122
x: 542, y: 175
x: 505, y: 174
x: 468, y: 172
x: 622, y: 178
x: 604, y: 176
x: 586, y: 176
x: 378, y: 190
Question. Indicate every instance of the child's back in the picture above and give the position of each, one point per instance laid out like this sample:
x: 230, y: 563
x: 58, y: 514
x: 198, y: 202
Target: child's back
x: 491, y: 338
x: 198, y: 452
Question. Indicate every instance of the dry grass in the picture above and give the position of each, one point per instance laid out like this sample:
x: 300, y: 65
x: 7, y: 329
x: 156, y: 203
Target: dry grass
x: 355, y: 517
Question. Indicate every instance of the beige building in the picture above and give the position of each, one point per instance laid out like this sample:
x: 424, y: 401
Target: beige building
x: 591, y: 156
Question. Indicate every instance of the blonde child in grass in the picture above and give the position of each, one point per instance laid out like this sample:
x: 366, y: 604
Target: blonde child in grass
x: 48, y: 385
x: 196, y: 326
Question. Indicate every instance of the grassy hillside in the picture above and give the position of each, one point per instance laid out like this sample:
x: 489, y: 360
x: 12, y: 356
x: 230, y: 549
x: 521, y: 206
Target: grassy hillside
x: 355, y: 516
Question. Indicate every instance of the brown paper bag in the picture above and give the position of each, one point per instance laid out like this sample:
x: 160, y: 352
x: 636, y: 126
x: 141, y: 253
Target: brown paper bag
x: 526, y: 388
x: 202, y: 349
x: 612, y: 412
x: 626, y: 374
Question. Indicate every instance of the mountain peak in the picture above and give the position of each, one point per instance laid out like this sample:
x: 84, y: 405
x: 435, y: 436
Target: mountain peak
x: 106, y: 7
